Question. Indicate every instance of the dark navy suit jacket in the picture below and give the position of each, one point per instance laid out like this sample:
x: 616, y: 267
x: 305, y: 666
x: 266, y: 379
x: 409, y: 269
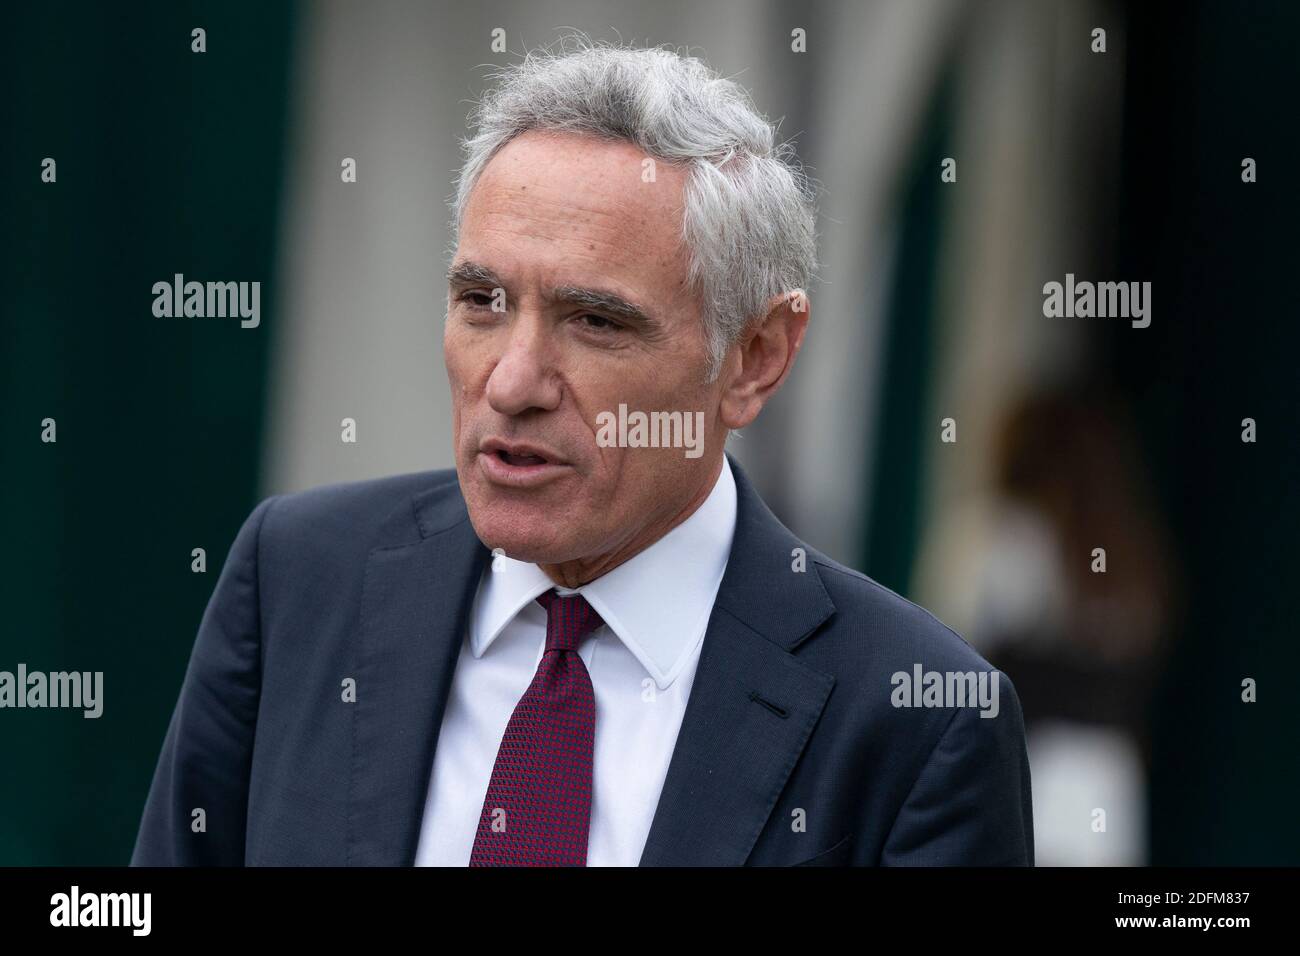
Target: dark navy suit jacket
x: 790, y: 750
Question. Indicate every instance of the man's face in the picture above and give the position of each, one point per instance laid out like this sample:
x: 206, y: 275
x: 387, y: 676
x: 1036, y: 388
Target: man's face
x: 592, y: 271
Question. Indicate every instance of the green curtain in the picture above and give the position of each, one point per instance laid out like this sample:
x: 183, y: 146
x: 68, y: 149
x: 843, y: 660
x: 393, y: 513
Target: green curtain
x: 168, y: 161
x: 906, y: 428
x: 1207, y: 86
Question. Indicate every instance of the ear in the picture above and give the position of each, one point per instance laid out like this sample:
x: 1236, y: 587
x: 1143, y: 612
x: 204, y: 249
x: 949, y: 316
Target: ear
x: 759, y: 363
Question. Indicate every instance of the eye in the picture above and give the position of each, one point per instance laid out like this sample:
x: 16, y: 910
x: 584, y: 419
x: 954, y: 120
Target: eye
x: 598, y: 323
x: 476, y: 298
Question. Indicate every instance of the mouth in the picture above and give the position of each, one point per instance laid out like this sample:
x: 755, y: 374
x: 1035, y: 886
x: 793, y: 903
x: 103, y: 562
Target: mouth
x: 521, y: 461
x: 519, y: 464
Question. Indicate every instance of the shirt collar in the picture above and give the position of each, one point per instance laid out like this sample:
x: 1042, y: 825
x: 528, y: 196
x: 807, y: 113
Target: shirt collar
x: 658, y: 602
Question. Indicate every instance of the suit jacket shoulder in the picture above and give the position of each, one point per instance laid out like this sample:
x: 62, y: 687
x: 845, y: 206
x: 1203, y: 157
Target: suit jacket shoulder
x: 925, y: 779
x: 884, y: 616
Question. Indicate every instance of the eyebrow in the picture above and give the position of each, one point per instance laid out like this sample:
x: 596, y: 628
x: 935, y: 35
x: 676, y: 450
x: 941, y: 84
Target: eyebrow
x: 609, y: 303
x: 600, y: 300
x: 471, y: 273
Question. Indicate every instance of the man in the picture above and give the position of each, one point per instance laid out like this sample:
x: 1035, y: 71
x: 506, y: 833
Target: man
x: 588, y: 645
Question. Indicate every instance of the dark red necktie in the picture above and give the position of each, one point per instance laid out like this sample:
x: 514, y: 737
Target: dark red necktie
x: 538, y: 804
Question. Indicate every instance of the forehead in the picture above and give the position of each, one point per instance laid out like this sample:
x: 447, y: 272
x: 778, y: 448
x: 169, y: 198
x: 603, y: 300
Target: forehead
x: 567, y: 207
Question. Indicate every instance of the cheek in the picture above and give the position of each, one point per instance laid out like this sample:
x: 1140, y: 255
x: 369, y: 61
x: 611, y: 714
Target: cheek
x: 638, y: 385
x: 466, y: 360
x: 461, y: 364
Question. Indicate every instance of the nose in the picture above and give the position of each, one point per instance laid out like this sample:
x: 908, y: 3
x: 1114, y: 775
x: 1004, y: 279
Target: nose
x: 524, y: 377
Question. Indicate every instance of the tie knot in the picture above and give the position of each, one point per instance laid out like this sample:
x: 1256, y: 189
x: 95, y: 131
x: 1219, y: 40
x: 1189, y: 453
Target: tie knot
x: 569, y: 619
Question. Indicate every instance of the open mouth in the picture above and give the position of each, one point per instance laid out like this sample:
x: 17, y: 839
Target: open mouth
x: 520, y: 464
x: 520, y: 461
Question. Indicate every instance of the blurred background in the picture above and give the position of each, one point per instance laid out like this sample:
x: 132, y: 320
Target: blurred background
x: 1072, y: 434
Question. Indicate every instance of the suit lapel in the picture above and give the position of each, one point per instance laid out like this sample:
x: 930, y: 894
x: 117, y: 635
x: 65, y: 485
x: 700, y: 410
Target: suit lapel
x: 752, y: 708
x: 415, y: 600
x: 753, y: 704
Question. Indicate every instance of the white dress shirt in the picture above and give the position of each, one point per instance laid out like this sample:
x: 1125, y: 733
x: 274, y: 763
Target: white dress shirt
x: 656, y: 607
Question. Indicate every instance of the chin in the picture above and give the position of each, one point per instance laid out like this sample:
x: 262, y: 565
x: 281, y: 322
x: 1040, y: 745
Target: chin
x: 520, y: 534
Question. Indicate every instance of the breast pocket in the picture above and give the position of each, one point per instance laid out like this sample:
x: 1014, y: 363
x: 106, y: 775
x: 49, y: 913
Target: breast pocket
x: 838, y: 854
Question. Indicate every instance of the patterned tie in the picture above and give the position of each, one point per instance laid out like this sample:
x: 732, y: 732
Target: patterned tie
x: 538, y: 803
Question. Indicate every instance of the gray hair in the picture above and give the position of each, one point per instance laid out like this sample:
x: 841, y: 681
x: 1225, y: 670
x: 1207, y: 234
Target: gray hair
x: 749, y: 216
